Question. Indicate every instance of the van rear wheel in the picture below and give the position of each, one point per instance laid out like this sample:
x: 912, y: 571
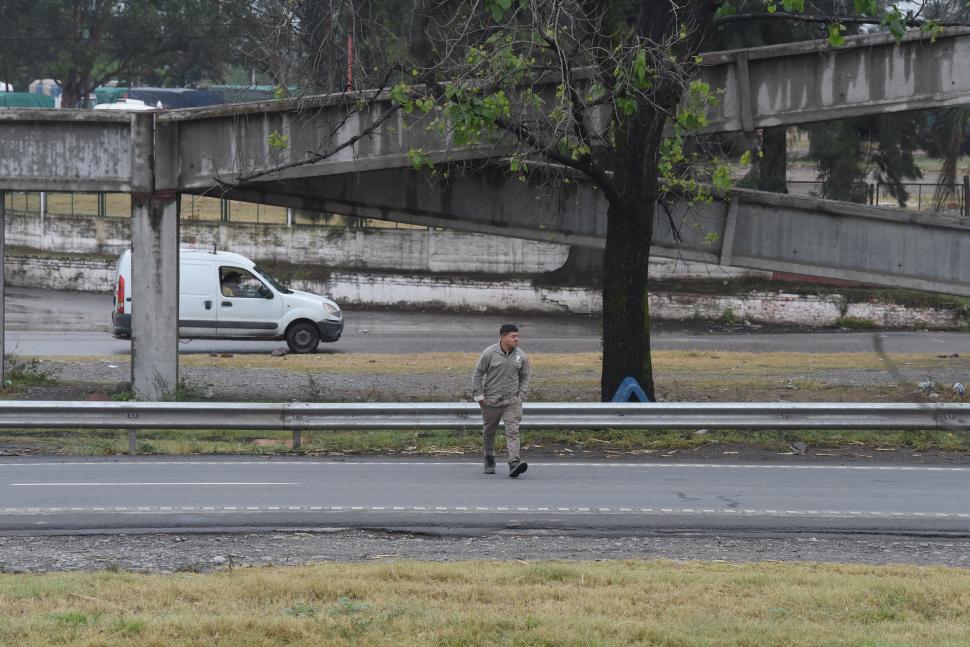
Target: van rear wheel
x: 302, y: 337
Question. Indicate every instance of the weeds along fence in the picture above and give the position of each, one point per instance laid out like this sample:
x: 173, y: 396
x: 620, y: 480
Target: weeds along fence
x: 300, y: 417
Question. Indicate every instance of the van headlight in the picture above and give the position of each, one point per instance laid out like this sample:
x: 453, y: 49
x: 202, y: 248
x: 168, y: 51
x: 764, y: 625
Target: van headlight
x: 332, y: 310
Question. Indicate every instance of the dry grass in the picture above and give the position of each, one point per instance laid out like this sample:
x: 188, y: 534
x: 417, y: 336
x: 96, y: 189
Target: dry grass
x: 567, y: 443
x: 686, y: 362
x: 475, y: 603
x: 664, y: 361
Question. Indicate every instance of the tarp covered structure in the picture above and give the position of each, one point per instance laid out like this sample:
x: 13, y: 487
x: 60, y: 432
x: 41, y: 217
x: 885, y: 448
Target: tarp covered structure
x: 168, y: 97
x: 25, y: 100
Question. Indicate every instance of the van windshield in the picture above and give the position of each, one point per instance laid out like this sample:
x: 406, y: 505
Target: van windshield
x: 276, y: 284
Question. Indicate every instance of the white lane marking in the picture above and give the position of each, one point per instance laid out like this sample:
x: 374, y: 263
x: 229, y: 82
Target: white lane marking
x: 130, y: 483
x: 563, y: 464
x: 599, y: 511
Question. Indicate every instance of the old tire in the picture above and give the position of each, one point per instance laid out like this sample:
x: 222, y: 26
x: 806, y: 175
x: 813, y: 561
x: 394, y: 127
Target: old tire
x: 302, y: 337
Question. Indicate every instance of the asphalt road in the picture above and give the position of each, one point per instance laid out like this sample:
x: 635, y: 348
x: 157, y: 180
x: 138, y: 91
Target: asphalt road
x: 65, y: 323
x: 100, y: 494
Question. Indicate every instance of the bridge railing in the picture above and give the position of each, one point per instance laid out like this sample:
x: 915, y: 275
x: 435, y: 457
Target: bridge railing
x: 299, y: 417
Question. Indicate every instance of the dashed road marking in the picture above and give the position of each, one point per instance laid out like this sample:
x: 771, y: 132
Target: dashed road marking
x: 437, y: 509
x: 126, y: 484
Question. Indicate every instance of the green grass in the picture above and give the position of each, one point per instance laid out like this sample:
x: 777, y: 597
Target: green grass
x: 855, y: 323
x: 478, y: 603
x: 23, y: 372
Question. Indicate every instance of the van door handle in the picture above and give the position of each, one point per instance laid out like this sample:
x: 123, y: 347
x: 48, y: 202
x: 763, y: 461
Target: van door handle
x: 208, y: 304
x: 227, y: 304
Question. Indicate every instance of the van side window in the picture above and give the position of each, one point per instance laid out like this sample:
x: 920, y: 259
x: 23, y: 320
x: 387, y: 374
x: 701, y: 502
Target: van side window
x: 237, y: 282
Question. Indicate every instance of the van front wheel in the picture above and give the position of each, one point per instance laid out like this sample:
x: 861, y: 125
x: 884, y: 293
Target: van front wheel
x: 302, y: 337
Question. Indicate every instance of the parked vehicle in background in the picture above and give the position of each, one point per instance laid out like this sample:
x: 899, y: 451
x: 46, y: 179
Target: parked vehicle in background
x: 223, y: 295
x: 125, y: 104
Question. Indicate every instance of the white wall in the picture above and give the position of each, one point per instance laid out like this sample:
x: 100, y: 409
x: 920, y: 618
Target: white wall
x: 408, y: 250
x: 376, y: 289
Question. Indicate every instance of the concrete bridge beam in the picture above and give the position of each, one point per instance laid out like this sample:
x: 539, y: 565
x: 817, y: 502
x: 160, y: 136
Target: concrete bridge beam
x: 750, y: 229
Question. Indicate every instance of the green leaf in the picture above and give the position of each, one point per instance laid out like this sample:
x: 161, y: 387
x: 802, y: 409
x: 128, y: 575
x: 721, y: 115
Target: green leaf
x: 746, y: 157
x: 278, y: 141
x: 836, y: 39
x: 866, y: 7
x: 401, y: 95
x: 932, y: 28
x: 725, y: 10
x: 418, y: 159
x: 626, y: 105
x: 498, y: 8
x: 641, y: 72
x: 721, y: 179
x: 895, y: 21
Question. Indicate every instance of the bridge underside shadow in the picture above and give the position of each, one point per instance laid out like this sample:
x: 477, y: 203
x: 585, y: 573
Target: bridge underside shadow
x: 749, y: 229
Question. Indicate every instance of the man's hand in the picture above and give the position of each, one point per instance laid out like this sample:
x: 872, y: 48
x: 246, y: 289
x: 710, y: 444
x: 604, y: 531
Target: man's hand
x: 481, y: 404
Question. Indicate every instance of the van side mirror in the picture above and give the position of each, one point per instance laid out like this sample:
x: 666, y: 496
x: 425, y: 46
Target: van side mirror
x: 265, y: 292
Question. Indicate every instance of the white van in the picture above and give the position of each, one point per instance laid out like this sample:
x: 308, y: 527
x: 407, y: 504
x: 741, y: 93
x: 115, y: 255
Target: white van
x: 226, y: 296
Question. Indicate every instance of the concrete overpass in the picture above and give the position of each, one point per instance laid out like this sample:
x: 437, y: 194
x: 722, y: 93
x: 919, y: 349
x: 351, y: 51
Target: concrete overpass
x: 365, y: 170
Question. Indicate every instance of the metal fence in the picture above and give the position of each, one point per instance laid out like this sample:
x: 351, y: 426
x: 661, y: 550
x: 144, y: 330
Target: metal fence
x: 192, y: 207
x: 921, y: 195
x: 299, y: 417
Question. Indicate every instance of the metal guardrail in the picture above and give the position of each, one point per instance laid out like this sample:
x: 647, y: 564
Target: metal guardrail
x: 298, y: 417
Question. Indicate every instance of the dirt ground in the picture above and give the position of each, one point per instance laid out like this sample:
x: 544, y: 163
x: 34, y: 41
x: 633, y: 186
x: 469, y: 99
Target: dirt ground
x: 680, y: 376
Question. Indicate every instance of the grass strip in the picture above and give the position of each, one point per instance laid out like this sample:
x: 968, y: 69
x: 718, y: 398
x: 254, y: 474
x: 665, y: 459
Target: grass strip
x: 621, y: 442
x: 477, y: 603
x: 462, y: 363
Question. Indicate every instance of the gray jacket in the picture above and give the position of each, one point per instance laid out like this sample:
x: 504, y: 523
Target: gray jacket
x: 499, y: 378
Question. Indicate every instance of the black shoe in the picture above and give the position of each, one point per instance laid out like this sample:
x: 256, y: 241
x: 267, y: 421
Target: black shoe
x: 516, y: 468
x: 489, y: 464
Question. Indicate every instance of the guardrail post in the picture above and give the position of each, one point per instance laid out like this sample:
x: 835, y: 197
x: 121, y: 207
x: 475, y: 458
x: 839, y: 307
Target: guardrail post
x: 297, y: 439
x: 132, y: 441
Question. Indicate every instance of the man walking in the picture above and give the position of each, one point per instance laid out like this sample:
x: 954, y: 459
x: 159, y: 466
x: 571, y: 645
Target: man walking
x: 499, y: 385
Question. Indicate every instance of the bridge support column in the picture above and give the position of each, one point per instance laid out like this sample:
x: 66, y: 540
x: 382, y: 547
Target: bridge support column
x: 154, y: 268
x: 3, y: 262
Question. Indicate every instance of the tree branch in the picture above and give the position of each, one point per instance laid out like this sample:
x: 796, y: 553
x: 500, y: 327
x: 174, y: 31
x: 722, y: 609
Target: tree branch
x: 584, y: 164
x: 579, y: 125
x: 316, y: 156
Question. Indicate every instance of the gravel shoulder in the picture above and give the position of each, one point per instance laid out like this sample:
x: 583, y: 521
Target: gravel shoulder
x: 176, y: 551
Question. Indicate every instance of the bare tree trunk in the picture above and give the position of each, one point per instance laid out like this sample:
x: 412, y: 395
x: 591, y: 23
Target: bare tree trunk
x: 774, y: 165
x: 71, y: 91
x: 626, y: 310
x: 770, y: 171
x: 629, y: 233
x: 583, y: 266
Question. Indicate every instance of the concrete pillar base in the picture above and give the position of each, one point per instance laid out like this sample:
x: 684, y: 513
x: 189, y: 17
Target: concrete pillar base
x: 154, y: 278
